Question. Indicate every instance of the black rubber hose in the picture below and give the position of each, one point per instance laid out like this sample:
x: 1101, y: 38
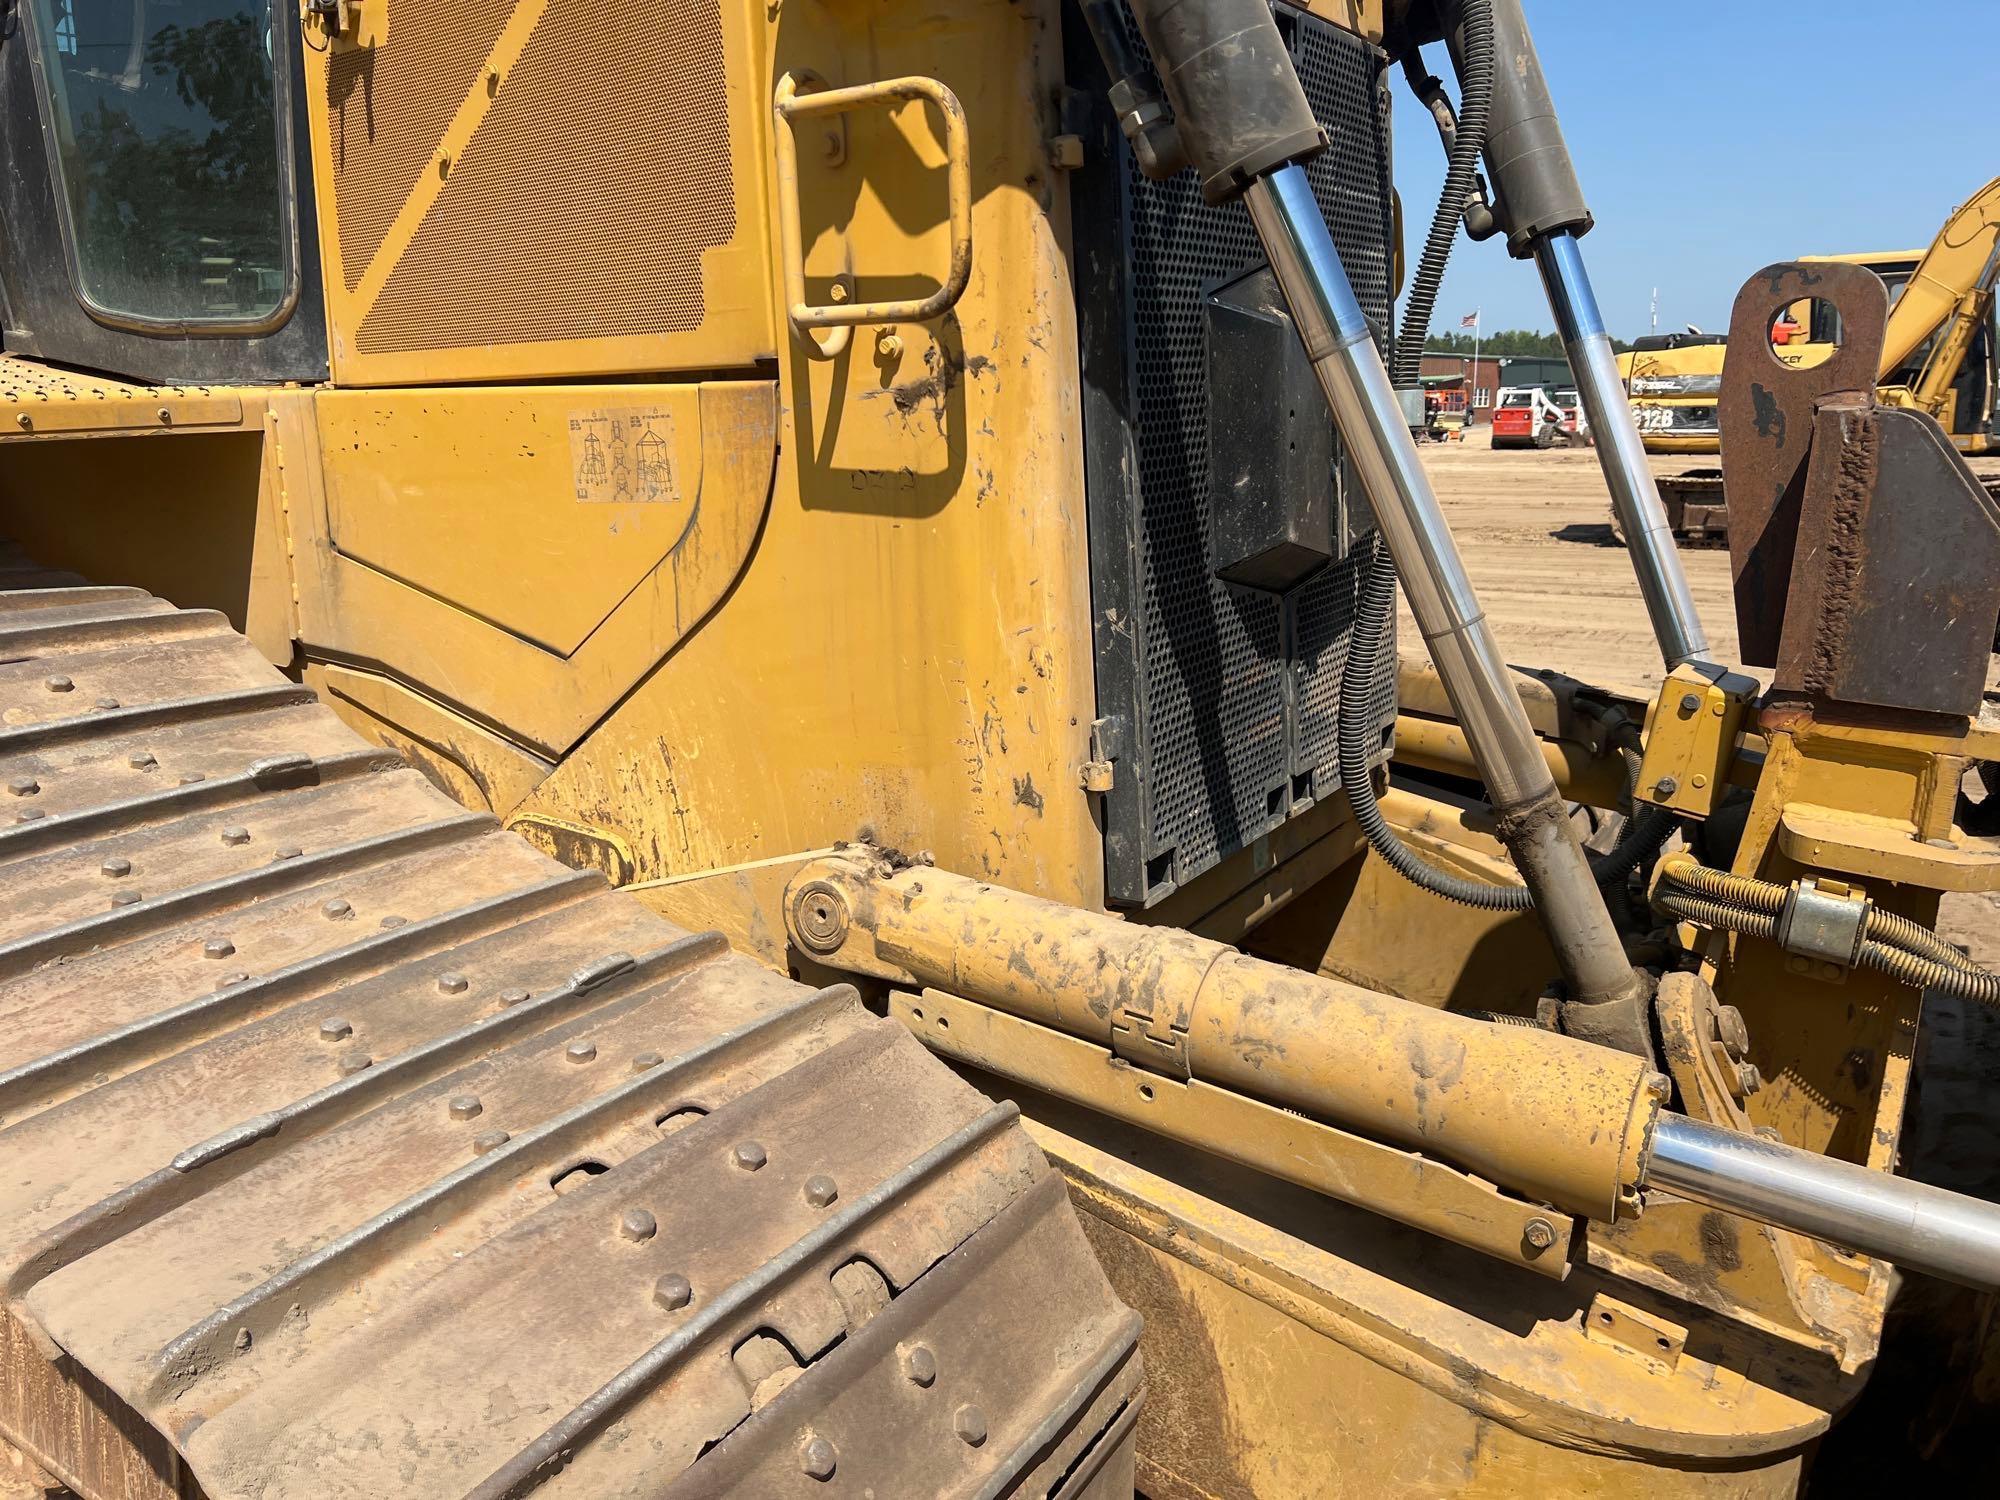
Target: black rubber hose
x: 1460, y: 173
x: 1357, y: 738
x: 1356, y: 742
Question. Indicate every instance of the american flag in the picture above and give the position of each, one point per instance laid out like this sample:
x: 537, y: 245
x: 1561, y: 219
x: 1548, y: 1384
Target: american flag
x: 1470, y: 320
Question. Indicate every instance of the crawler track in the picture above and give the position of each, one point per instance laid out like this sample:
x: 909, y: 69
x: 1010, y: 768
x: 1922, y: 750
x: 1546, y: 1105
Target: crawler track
x: 351, y: 1147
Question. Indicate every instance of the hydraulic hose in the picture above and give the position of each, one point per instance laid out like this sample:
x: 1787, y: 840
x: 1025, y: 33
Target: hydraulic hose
x: 1461, y: 167
x: 1355, y: 744
x: 1891, y: 943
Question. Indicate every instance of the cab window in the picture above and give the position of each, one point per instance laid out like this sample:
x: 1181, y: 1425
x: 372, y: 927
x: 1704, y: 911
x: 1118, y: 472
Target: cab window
x: 172, y: 157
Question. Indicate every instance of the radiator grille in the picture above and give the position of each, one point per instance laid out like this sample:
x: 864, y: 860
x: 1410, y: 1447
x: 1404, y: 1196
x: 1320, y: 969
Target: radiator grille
x: 1221, y: 701
x: 606, y: 157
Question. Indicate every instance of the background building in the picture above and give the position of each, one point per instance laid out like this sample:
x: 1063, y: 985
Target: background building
x: 1461, y: 387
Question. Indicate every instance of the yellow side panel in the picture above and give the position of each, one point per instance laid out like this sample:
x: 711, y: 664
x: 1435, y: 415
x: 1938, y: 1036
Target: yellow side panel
x: 909, y: 653
x: 540, y: 188
x: 487, y: 549
x: 457, y: 492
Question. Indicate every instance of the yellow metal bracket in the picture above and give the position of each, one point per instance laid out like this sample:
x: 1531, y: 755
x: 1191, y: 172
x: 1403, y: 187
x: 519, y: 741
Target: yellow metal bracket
x: 802, y: 95
x: 1416, y: 1190
x: 1691, y: 737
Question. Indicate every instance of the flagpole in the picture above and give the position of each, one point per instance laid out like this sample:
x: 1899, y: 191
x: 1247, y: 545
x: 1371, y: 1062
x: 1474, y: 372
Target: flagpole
x: 1476, y: 312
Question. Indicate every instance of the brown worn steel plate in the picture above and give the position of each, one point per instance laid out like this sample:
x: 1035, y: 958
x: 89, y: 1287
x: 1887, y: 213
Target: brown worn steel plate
x: 351, y: 1147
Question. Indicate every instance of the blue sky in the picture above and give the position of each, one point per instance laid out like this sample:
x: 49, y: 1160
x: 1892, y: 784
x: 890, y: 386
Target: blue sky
x: 1713, y: 139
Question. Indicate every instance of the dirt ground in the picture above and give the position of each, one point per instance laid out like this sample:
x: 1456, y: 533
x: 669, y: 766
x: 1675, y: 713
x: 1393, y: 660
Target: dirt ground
x: 1535, y: 530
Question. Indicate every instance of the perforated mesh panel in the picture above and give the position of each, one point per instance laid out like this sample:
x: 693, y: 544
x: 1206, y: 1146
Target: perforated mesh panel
x: 605, y: 156
x: 388, y: 105
x: 1220, y: 701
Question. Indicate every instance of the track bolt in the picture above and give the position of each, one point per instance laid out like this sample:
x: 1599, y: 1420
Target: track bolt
x: 355, y: 1062
x: 969, y: 1422
x: 59, y: 684
x: 335, y: 1029
x: 466, y: 1107
x: 24, y: 786
x: 671, y: 1292
x: 217, y: 947
x: 488, y: 1140
x: 27, y: 815
x: 920, y: 1365
x: 646, y: 1060
x: 452, y: 984
x: 513, y: 997
x: 749, y: 1155
x: 817, y: 1458
x: 1539, y: 1233
x: 637, y: 1225
x: 336, y: 909
x: 193, y: 776
x: 116, y: 867
x: 235, y: 834
x: 145, y: 760
x: 290, y: 851
x: 107, y: 704
x: 126, y: 898
x: 821, y: 1190
x: 581, y: 1052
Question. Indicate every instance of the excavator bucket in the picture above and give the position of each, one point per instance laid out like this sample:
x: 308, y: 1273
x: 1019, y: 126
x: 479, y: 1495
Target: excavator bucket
x: 355, y: 1148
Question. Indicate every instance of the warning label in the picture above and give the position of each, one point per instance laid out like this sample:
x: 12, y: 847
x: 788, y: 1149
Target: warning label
x: 623, y: 455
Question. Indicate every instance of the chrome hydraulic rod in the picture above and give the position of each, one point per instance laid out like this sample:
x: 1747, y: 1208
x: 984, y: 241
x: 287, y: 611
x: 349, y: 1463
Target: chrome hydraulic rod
x: 1634, y: 495
x: 1912, y: 1224
x: 1533, y: 820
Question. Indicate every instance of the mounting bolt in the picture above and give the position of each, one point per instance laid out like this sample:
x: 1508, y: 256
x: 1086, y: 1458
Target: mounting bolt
x: 1735, y: 1034
x: 888, y: 345
x: 821, y: 917
x: 1066, y: 152
x: 466, y: 1107
x: 920, y: 1365
x: 637, y: 1225
x: 821, y: 1190
x: 749, y: 1155
x: 969, y: 1422
x: 23, y: 421
x: 1748, y: 1076
x: 1664, y: 788
x: 1690, y: 703
x: 672, y: 1292
x: 817, y: 1458
x: 1539, y: 1233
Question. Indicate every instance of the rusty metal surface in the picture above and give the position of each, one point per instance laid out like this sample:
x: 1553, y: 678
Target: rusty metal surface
x: 1766, y: 415
x: 349, y: 1146
x: 1896, y: 587
x: 1866, y: 555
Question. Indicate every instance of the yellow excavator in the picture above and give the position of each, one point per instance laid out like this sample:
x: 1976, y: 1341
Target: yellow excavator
x: 1937, y: 357
x: 706, y: 787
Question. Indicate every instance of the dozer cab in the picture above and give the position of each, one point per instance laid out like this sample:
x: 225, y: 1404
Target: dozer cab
x: 707, y: 785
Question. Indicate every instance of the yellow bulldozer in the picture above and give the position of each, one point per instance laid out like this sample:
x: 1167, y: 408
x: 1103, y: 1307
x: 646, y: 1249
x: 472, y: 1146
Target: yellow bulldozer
x: 707, y: 786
